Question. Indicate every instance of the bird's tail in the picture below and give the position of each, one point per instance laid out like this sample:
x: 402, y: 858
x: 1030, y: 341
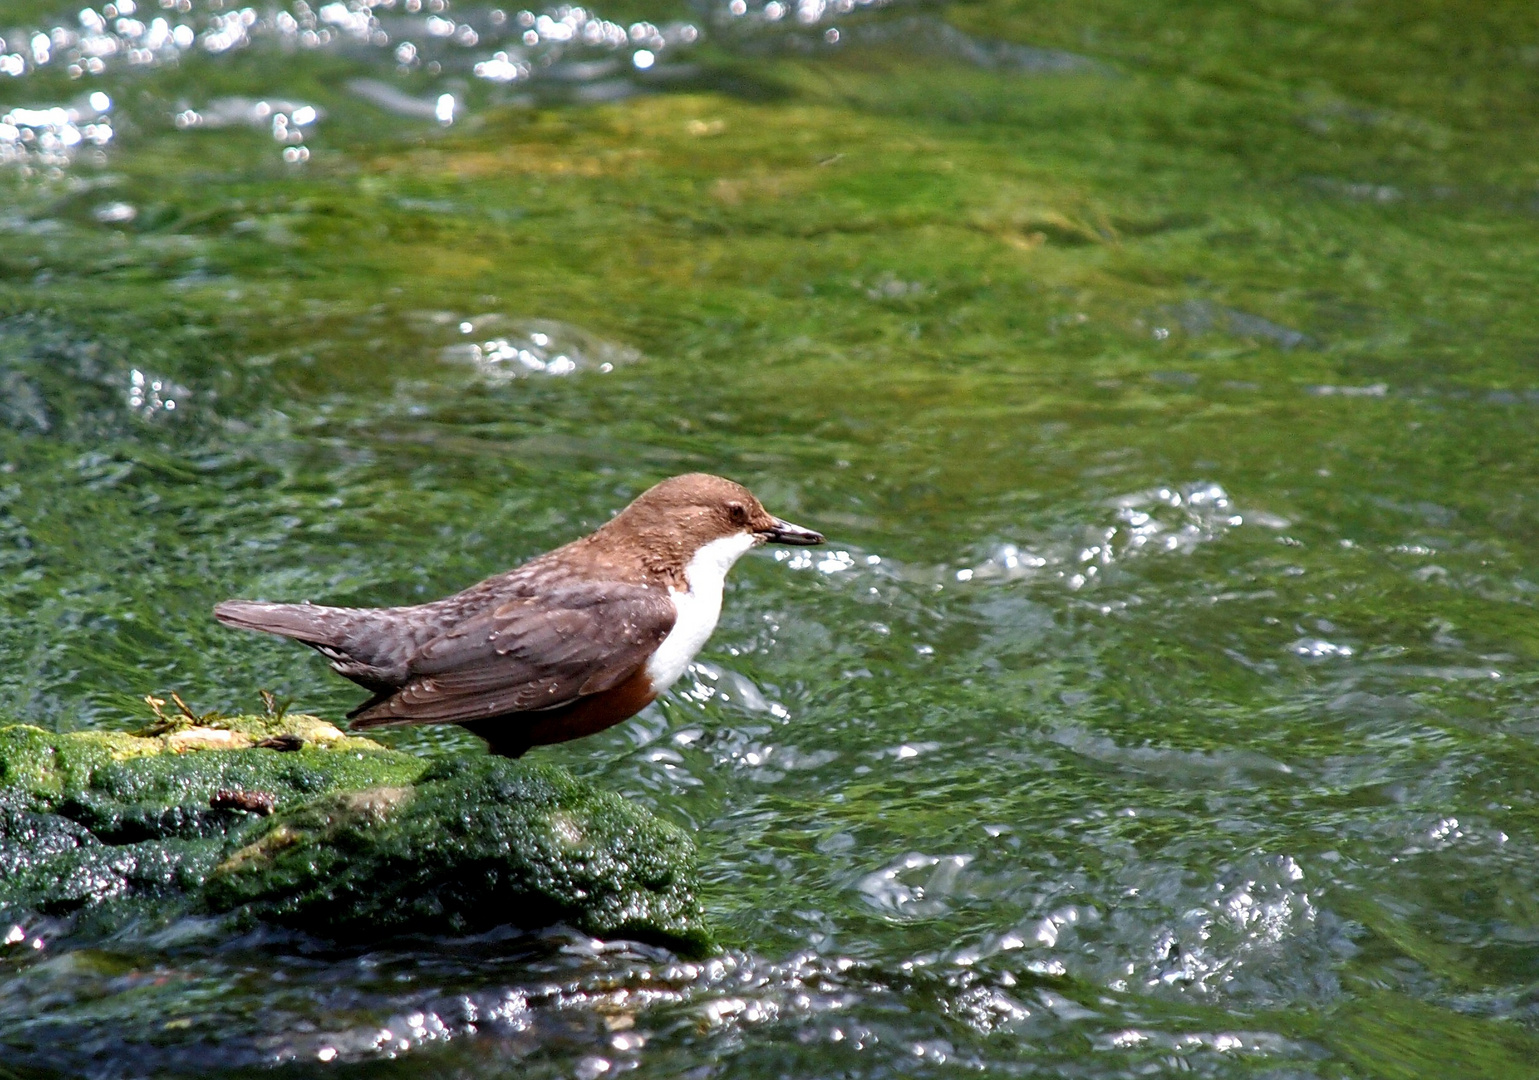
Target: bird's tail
x: 366, y: 645
x: 310, y: 623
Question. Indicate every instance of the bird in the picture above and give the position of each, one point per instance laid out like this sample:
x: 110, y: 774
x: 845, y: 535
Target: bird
x: 571, y: 642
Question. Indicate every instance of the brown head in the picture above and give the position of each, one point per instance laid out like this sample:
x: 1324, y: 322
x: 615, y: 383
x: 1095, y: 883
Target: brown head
x: 674, y: 519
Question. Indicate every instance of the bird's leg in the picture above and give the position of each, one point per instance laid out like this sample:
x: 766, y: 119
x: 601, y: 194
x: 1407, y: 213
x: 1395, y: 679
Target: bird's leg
x: 501, y: 737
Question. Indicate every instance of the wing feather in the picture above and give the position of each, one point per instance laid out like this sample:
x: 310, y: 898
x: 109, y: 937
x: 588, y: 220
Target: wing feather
x: 529, y: 653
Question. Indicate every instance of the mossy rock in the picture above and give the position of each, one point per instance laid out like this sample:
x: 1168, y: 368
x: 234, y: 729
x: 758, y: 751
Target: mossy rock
x: 287, y: 820
x: 475, y: 843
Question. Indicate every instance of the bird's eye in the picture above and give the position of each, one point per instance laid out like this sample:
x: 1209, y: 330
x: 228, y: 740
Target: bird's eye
x: 737, y: 513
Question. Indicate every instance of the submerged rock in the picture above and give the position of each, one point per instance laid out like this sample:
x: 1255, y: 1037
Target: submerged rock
x: 288, y: 820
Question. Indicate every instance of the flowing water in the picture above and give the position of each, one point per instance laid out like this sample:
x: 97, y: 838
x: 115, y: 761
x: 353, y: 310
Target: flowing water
x: 1164, y: 374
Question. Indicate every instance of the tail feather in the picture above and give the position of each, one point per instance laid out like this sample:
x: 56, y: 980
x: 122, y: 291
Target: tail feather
x: 305, y: 622
x: 363, y: 644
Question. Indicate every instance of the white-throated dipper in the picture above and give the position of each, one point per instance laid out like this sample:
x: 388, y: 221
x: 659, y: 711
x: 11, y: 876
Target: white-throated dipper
x: 572, y: 642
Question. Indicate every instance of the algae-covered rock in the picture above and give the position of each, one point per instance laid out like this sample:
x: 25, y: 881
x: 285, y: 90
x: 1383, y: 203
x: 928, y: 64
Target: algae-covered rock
x: 107, y: 827
x: 475, y: 843
x: 286, y: 819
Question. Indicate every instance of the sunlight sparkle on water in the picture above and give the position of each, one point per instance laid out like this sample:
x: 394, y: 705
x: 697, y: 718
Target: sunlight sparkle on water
x: 545, y: 347
x: 485, y: 43
x: 53, y: 136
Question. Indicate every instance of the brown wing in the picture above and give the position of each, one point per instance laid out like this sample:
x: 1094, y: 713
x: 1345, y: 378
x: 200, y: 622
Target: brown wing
x: 529, y: 653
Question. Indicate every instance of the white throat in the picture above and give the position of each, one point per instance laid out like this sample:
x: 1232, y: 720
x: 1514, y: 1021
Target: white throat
x: 698, y: 607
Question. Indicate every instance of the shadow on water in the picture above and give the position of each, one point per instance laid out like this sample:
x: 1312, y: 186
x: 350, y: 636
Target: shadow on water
x: 1165, y: 698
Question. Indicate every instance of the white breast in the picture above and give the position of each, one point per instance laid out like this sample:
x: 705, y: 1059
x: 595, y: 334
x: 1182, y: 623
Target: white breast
x: 698, y: 607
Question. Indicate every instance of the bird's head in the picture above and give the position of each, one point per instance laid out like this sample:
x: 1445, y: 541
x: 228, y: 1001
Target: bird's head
x: 697, y: 508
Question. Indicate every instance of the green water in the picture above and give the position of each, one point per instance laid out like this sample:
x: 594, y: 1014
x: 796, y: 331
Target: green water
x: 1165, y: 376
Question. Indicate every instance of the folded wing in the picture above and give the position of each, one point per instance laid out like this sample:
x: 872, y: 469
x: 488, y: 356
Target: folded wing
x: 528, y: 653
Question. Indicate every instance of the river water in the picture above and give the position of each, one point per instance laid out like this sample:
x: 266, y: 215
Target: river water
x: 1163, y: 373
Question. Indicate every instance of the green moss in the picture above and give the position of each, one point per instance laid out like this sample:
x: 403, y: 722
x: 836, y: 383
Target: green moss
x: 45, y: 765
x: 186, y: 762
x: 362, y: 841
x: 477, y: 843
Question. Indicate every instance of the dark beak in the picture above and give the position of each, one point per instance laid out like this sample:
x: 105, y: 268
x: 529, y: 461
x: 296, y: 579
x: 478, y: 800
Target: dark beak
x: 783, y: 532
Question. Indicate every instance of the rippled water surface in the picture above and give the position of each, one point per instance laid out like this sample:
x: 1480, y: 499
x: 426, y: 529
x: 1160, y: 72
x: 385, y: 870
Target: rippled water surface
x: 1165, y: 375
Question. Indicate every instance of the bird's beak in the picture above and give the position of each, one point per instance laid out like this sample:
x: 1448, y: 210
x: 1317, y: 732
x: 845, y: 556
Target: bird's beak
x: 783, y: 532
